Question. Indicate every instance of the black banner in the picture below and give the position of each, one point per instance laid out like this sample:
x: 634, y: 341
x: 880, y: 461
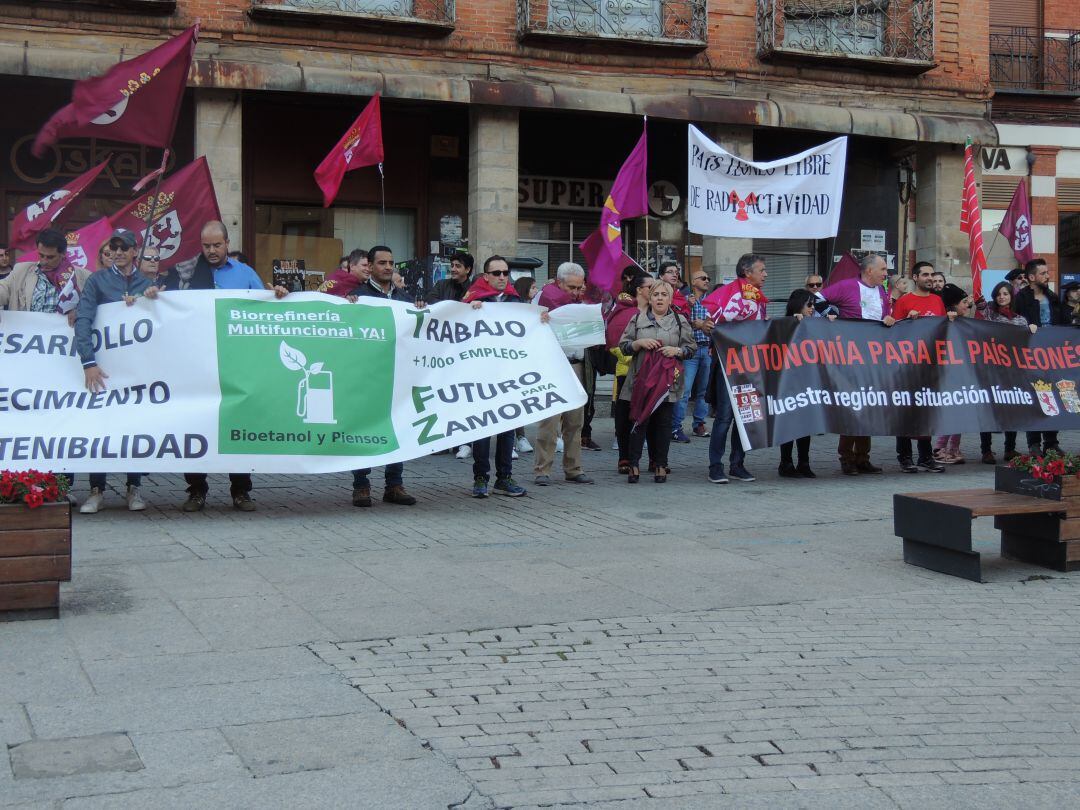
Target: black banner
x: 928, y: 376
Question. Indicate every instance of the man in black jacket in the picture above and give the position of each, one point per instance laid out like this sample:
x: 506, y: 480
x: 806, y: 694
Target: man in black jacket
x: 455, y: 287
x: 381, y: 285
x: 1038, y: 304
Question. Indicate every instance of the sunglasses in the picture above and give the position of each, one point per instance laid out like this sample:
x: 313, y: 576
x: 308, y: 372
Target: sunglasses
x: 498, y: 272
x: 812, y: 284
x: 114, y: 246
x: 702, y: 278
x: 151, y: 259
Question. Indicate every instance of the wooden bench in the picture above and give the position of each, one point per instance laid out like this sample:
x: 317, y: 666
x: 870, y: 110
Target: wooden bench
x: 936, y: 528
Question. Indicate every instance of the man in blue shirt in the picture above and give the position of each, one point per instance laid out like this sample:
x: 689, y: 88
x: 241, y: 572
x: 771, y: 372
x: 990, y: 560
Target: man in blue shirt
x: 214, y: 270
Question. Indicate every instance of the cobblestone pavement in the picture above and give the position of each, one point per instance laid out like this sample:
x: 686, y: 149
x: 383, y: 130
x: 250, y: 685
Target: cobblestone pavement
x: 676, y: 646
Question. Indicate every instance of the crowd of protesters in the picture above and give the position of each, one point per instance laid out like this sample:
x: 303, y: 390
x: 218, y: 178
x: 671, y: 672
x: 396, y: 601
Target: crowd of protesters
x: 658, y: 346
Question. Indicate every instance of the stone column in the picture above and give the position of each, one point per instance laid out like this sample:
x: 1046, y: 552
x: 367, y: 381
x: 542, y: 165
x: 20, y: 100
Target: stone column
x: 1044, y: 208
x: 720, y: 253
x: 493, y: 182
x: 940, y: 186
x: 218, y: 118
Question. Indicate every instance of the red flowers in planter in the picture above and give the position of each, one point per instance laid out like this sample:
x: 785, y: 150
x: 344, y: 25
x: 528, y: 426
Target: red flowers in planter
x: 32, y: 487
x: 1048, y: 467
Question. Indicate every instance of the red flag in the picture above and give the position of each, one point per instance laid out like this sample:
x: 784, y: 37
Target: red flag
x: 137, y: 101
x: 361, y: 146
x: 591, y: 249
x: 1016, y: 227
x: 629, y: 198
x: 185, y: 202
x: 52, y: 209
x: 83, y: 245
x: 971, y: 222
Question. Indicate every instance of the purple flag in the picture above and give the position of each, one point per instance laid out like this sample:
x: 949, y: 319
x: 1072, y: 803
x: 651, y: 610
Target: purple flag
x: 629, y: 198
x: 1016, y: 226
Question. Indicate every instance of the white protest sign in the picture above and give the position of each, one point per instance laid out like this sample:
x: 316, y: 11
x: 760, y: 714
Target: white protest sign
x: 797, y: 197
x: 578, y: 326
x: 234, y: 381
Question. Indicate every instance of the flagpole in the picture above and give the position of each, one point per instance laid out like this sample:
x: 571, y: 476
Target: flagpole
x: 382, y: 200
x: 645, y: 125
x: 153, y: 212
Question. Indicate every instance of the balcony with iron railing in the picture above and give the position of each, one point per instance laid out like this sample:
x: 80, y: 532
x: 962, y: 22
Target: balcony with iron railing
x: 671, y: 23
x: 874, y: 34
x: 1035, y: 60
x: 431, y: 17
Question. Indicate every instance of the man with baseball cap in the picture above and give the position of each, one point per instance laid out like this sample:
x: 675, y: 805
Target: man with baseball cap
x: 120, y: 282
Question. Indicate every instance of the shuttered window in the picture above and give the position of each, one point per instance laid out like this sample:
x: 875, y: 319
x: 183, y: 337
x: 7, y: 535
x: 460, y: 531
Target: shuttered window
x: 1016, y: 13
x: 1068, y: 194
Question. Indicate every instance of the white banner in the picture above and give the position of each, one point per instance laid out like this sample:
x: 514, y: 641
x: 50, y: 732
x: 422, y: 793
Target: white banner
x: 229, y: 381
x: 792, y: 198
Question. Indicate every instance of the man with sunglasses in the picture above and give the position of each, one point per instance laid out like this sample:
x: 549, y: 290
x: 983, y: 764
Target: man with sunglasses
x: 151, y: 263
x: 119, y: 282
x: 814, y: 283
x: 696, y: 369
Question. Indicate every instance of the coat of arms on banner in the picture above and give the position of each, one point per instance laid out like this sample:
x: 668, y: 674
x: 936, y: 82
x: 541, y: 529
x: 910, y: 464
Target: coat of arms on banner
x: 1044, y: 392
x: 748, y: 403
x: 1067, y: 392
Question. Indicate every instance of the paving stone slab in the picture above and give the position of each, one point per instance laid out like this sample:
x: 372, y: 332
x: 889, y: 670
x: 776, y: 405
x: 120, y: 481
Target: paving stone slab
x: 51, y: 758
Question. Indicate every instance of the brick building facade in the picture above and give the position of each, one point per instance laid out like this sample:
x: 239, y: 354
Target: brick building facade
x: 501, y: 115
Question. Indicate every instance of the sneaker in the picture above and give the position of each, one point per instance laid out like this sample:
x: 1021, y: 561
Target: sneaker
x: 989, y: 458
x: 701, y: 432
x: 397, y: 494
x: 805, y: 471
x: 93, y: 502
x: 464, y: 453
x: 135, y: 500
x: 508, y: 486
x: 716, y: 475
x: 678, y: 436
x: 588, y: 444
x: 559, y: 445
x: 480, y: 487
x: 522, y: 445
x: 740, y: 473
x: 542, y: 480
x: 580, y: 478
x: 867, y: 467
x: 243, y: 502
x: 908, y: 466
x: 514, y: 454
x: 195, y: 502
x: 931, y: 465
x: 788, y: 471
x: 615, y: 443
x: 361, y: 496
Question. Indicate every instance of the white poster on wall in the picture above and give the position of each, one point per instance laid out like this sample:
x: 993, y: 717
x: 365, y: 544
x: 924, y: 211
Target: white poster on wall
x: 797, y: 197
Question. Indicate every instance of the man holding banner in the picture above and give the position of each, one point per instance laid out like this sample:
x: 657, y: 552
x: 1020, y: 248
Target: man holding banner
x: 51, y: 284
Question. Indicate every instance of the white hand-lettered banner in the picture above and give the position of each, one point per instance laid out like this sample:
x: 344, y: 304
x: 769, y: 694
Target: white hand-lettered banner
x: 797, y: 197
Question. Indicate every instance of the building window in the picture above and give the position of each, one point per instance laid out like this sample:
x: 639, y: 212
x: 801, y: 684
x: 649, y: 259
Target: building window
x: 1035, y: 60
x: 789, y: 262
x: 426, y: 15
x: 660, y: 22
x: 891, y: 33
x: 553, y: 238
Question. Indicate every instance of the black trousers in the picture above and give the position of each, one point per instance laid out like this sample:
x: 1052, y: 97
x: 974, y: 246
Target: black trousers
x: 804, y: 451
x: 1049, y: 440
x: 986, y: 446
x: 239, y: 483
x: 903, y: 448
x: 657, y: 431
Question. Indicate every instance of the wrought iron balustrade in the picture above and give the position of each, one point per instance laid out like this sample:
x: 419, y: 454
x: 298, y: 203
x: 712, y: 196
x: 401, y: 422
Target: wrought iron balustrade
x: 896, y: 33
x: 1035, y: 59
x: 659, y: 22
x: 438, y: 13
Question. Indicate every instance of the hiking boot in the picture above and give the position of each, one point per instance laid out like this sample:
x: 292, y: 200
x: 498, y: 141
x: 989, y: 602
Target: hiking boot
x: 678, y: 436
x: 243, y: 502
x: 397, y: 494
x: 508, y: 486
x: 94, y: 502
x: 701, y: 432
x: 867, y: 467
x: 361, y: 496
x: 989, y: 458
x: 195, y: 502
x: 847, y: 468
x: 480, y: 487
x: 135, y: 500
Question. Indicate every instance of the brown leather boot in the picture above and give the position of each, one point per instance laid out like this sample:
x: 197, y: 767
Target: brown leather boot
x: 397, y: 494
x: 361, y: 496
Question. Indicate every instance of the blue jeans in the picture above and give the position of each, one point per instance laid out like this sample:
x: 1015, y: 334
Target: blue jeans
x: 504, y: 449
x: 724, y: 421
x: 392, y: 474
x: 695, y: 379
x: 97, y: 480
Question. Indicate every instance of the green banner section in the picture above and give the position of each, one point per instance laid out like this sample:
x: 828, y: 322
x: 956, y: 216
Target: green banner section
x: 306, y: 378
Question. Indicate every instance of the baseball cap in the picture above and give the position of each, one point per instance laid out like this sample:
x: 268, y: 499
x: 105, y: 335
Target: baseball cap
x: 124, y: 235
